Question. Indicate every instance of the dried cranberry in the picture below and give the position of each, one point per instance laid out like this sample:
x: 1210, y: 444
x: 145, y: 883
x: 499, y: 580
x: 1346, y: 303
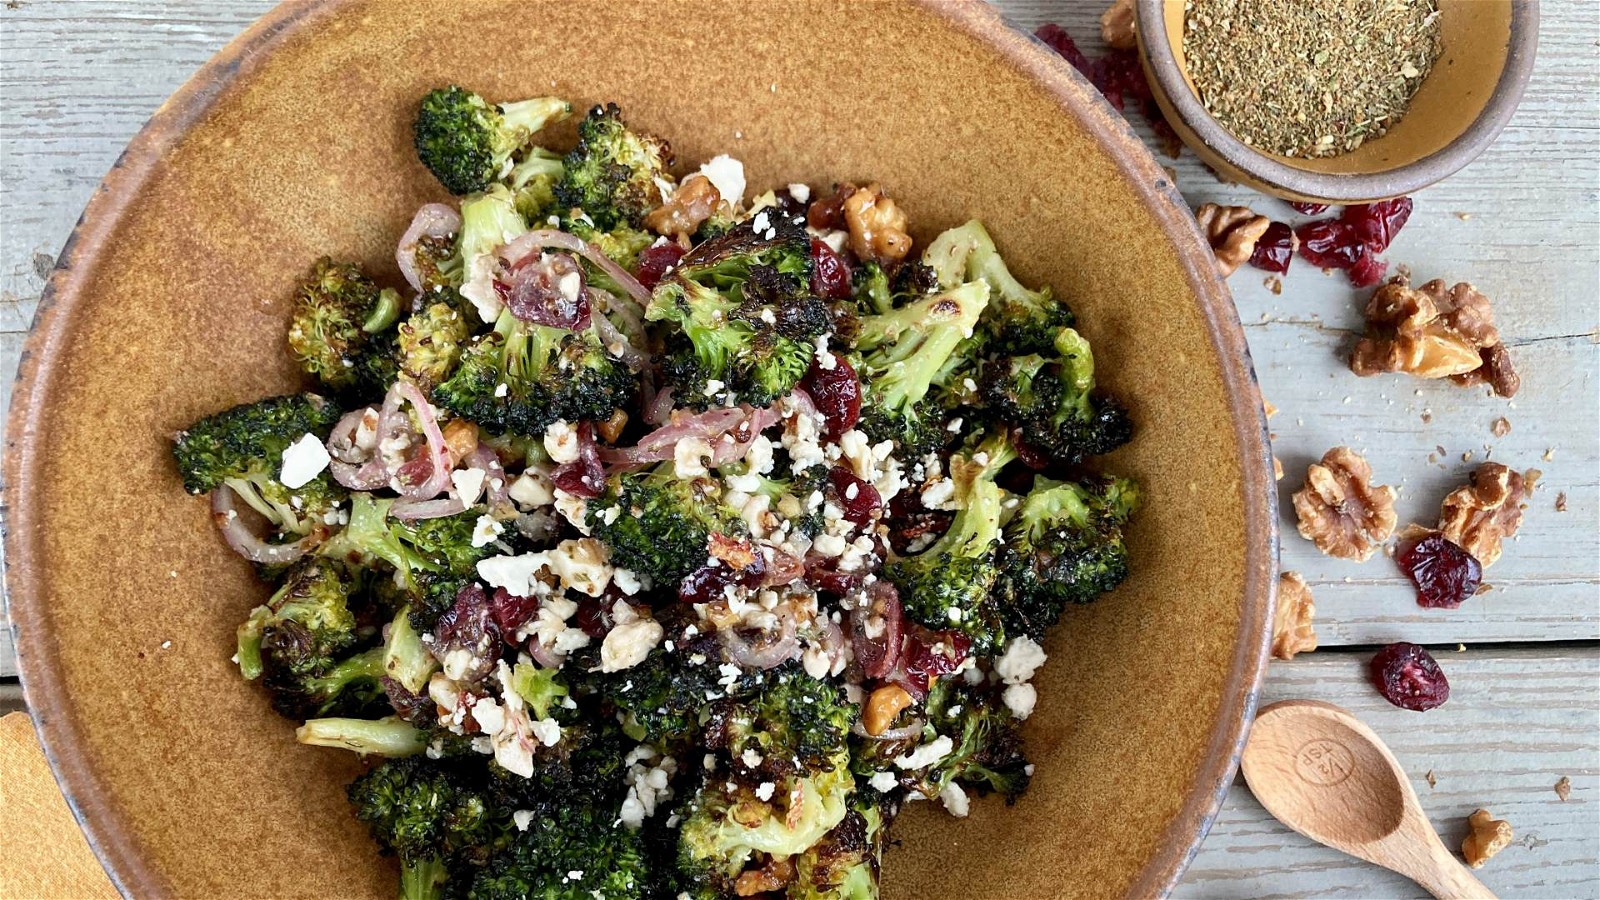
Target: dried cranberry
x: 909, y: 520
x: 836, y: 393
x: 1120, y: 77
x: 655, y: 261
x: 822, y: 572
x: 468, y: 625
x: 830, y: 274
x: 1443, y: 571
x: 549, y: 291
x: 857, y: 498
x: 593, y: 618
x: 1368, y: 271
x: 877, y: 655
x: 827, y: 213
x: 1330, y: 243
x: 928, y: 655
x: 1275, y: 249
x: 510, y: 611
x: 1409, y: 678
x: 708, y: 582
x: 584, y: 476
x: 1309, y: 209
x: 1062, y: 43
x: 1376, y: 224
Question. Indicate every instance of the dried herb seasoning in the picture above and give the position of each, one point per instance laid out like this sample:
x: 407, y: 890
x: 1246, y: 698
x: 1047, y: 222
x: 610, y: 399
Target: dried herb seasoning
x: 1309, y: 78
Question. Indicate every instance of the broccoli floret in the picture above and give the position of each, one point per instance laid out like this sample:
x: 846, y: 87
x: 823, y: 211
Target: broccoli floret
x: 875, y: 292
x: 467, y: 143
x: 428, y: 344
x: 622, y: 244
x: 539, y: 863
x: 1064, y: 545
x: 986, y: 753
x: 441, y: 545
x: 790, y: 498
x: 405, y: 658
x: 899, y: 354
x: 661, y: 698
x: 336, y: 327
x: 1052, y: 400
x: 523, y: 376
x: 1017, y: 321
x: 431, y: 815
x: 745, y: 317
x: 533, y: 181
x: 613, y: 173
x: 844, y: 865
x: 243, y: 448
x: 663, y: 523
x: 947, y: 585
x: 585, y: 767
x: 794, y: 724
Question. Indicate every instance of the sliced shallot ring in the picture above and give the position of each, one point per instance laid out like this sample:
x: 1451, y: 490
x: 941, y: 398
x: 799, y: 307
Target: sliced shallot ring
x: 432, y: 220
x: 244, y: 542
x: 412, y: 510
x: 903, y: 733
x: 437, y: 451
x: 519, y: 249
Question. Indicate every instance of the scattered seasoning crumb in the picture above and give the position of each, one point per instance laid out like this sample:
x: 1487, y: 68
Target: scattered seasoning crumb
x: 1483, y: 589
x: 1549, y: 454
x: 1500, y: 427
x: 1274, y: 284
x: 1464, y: 216
x: 1561, y: 502
x: 1564, y: 788
x: 1432, y: 781
x: 1461, y: 648
x: 1466, y: 456
x: 1269, y: 407
x: 1427, y: 416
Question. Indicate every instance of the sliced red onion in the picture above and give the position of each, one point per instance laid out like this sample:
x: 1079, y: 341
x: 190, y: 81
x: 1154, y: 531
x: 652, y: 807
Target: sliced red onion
x: 438, y: 454
x: 236, y: 531
x: 533, y: 241
x: 497, y: 484
x: 352, y: 466
x: 741, y: 423
x: 903, y: 733
x: 612, y: 338
x: 434, y: 220
x: 877, y: 656
x: 412, y: 510
x: 544, y: 656
x: 657, y: 406
x: 772, y: 651
x: 624, y: 311
x: 785, y: 568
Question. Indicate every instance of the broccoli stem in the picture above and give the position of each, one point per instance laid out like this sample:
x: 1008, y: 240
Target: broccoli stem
x: 368, y: 666
x: 385, y: 313
x: 405, y: 659
x: 531, y: 116
x: 388, y: 736
x: 249, y: 637
x: 913, y: 343
x: 422, y: 879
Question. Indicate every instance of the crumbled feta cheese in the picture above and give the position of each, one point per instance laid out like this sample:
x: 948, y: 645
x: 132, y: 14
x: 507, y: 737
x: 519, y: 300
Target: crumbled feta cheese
x: 561, y: 442
x: 501, y: 390
x: 485, y: 531
x: 816, y: 662
x: 954, y: 800
x: 303, y: 460
x: 939, y: 494
x: 628, y: 643
x: 488, y: 714
x: 953, y: 614
x: 478, y: 286
x: 883, y: 782
x: 745, y: 485
x: 1022, y: 658
x: 468, y: 484
x: 726, y: 174
x: 649, y: 787
x: 927, y: 754
x: 713, y: 386
x: 574, y: 509
x: 758, y: 456
x: 830, y: 545
x: 581, y: 565
x: 765, y: 790
x: 522, y: 818
x: 627, y: 581
x: 530, y: 491
x: 514, y: 573
x: 751, y: 757
x: 689, y: 457
x: 826, y: 361
x: 1020, y: 698
x: 569, y: 286
x: 800, y: 192
x: 548, y: 731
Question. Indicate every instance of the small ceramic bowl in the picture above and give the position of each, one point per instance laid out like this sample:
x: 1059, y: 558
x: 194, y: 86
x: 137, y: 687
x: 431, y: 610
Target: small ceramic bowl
x: 1488, y: 49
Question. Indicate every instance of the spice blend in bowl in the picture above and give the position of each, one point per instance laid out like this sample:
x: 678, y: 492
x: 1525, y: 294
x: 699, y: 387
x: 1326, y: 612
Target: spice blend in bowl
x: 1309, y: 78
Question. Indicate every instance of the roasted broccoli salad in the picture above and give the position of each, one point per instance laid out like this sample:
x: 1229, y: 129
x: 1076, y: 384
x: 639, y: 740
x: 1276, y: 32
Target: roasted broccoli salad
x: 650, y: 539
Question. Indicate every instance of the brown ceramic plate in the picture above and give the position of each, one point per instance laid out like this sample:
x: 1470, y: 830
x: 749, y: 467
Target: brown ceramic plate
x: 171, y: 299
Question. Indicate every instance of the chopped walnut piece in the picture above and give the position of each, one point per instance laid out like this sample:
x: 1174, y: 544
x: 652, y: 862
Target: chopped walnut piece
x: 1561, y: 502
x: 1500, y: 427
x: 460, y: 439
x: 1232, y: 231
x: 611, y: 428
x: 882, y: 706
x: 1488, y: 837
x: 1117, y: 26
x: 691, y: 203
x: 1340, y: 510
x: 1480, y: 515
x: 1564, y: 788
x: 1432, y: 332
x: 1292, y: 631
x: 877, y: 226
x: 773, y: 876
x: 1277, y: 469
x: 1433, y: 780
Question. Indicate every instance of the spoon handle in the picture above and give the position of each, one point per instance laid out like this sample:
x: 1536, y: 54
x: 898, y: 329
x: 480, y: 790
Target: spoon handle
x: 1447, y: 879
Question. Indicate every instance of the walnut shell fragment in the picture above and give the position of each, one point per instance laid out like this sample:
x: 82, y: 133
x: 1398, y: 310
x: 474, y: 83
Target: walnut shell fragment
x: 1232, y: 231
x: 1434, y: 332
x: 1340, y: 510
x: 1480, y: 515
x: 1292, y: 631
x: 1487, y: 837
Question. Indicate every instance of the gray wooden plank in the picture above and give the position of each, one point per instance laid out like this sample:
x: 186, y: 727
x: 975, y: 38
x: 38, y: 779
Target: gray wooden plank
x: 1515, y: 723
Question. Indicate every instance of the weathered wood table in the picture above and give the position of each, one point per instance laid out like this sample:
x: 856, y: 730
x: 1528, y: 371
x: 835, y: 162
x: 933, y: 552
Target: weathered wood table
x: 77, y: 79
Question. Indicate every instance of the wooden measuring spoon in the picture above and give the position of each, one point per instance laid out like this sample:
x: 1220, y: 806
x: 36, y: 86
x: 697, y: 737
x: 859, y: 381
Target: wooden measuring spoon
x: 1320, y: 771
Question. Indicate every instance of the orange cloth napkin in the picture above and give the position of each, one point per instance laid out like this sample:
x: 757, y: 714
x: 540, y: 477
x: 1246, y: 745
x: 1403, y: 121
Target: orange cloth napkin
x: 43, y: 855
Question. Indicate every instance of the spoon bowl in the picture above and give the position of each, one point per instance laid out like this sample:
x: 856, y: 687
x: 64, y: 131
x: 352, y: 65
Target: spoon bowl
x: 1323, y: 773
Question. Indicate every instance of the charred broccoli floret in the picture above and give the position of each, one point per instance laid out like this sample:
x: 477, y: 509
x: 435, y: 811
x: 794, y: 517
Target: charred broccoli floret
x: 242, y: 448
x: 467, y: 143
x: 622, y: 244
x: 663, y: 524
x: 1017, y: 320
x: 844, y: 865
x: 523, y: 376
x: 745, y: 317
x: 576, y: 852
x: 585, y: 767
x: 336, y: 332
x: 428, y: 344
x: 1064, y: 545
x: 876, y: 291
x: 1052, y: 400
x: 440, y: 546
x: 986, y: 744
x: 533, y: 182
x: 432, y: 816
x: 660, y: 699
x: 795, y: 724
x: 948, y: 585
x: 613, y: 173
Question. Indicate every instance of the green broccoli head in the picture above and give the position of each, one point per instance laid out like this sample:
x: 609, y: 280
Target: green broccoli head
x: 296, y: 642
x: 876, y: 291
x: 899, y: 356
x: 845, y: 863
x: 987, y: 742
x: 334, y: 329
x: 533, y: 182
x: 662, y: 524
x: 430, y: 814
x: 243, y: 448
x: 1064, y: 545
x: 522, y: 376
x: 584, y: 768
x: 575, y: 852
x: 622, y: 244
x: 794, y: 725
x: 660, y: 699
x: 1052, y: 400
x: 613, y: 173
x: 1017, y: 320
x: 440, y: 547
x: 429, y: 343
x: 467, y: 143
x: 949, y: 584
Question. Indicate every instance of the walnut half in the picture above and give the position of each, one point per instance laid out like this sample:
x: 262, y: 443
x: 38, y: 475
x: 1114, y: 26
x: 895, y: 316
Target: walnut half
x: 1292, y: 631
x: 1483, y: 513
x: 1232, y: 231
x: 1487, y: 837
x: 1434, y: 332
x: 877, y: 226
x: 1340, y: 510
x: 1117, y: 26
x: 691, y: 203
